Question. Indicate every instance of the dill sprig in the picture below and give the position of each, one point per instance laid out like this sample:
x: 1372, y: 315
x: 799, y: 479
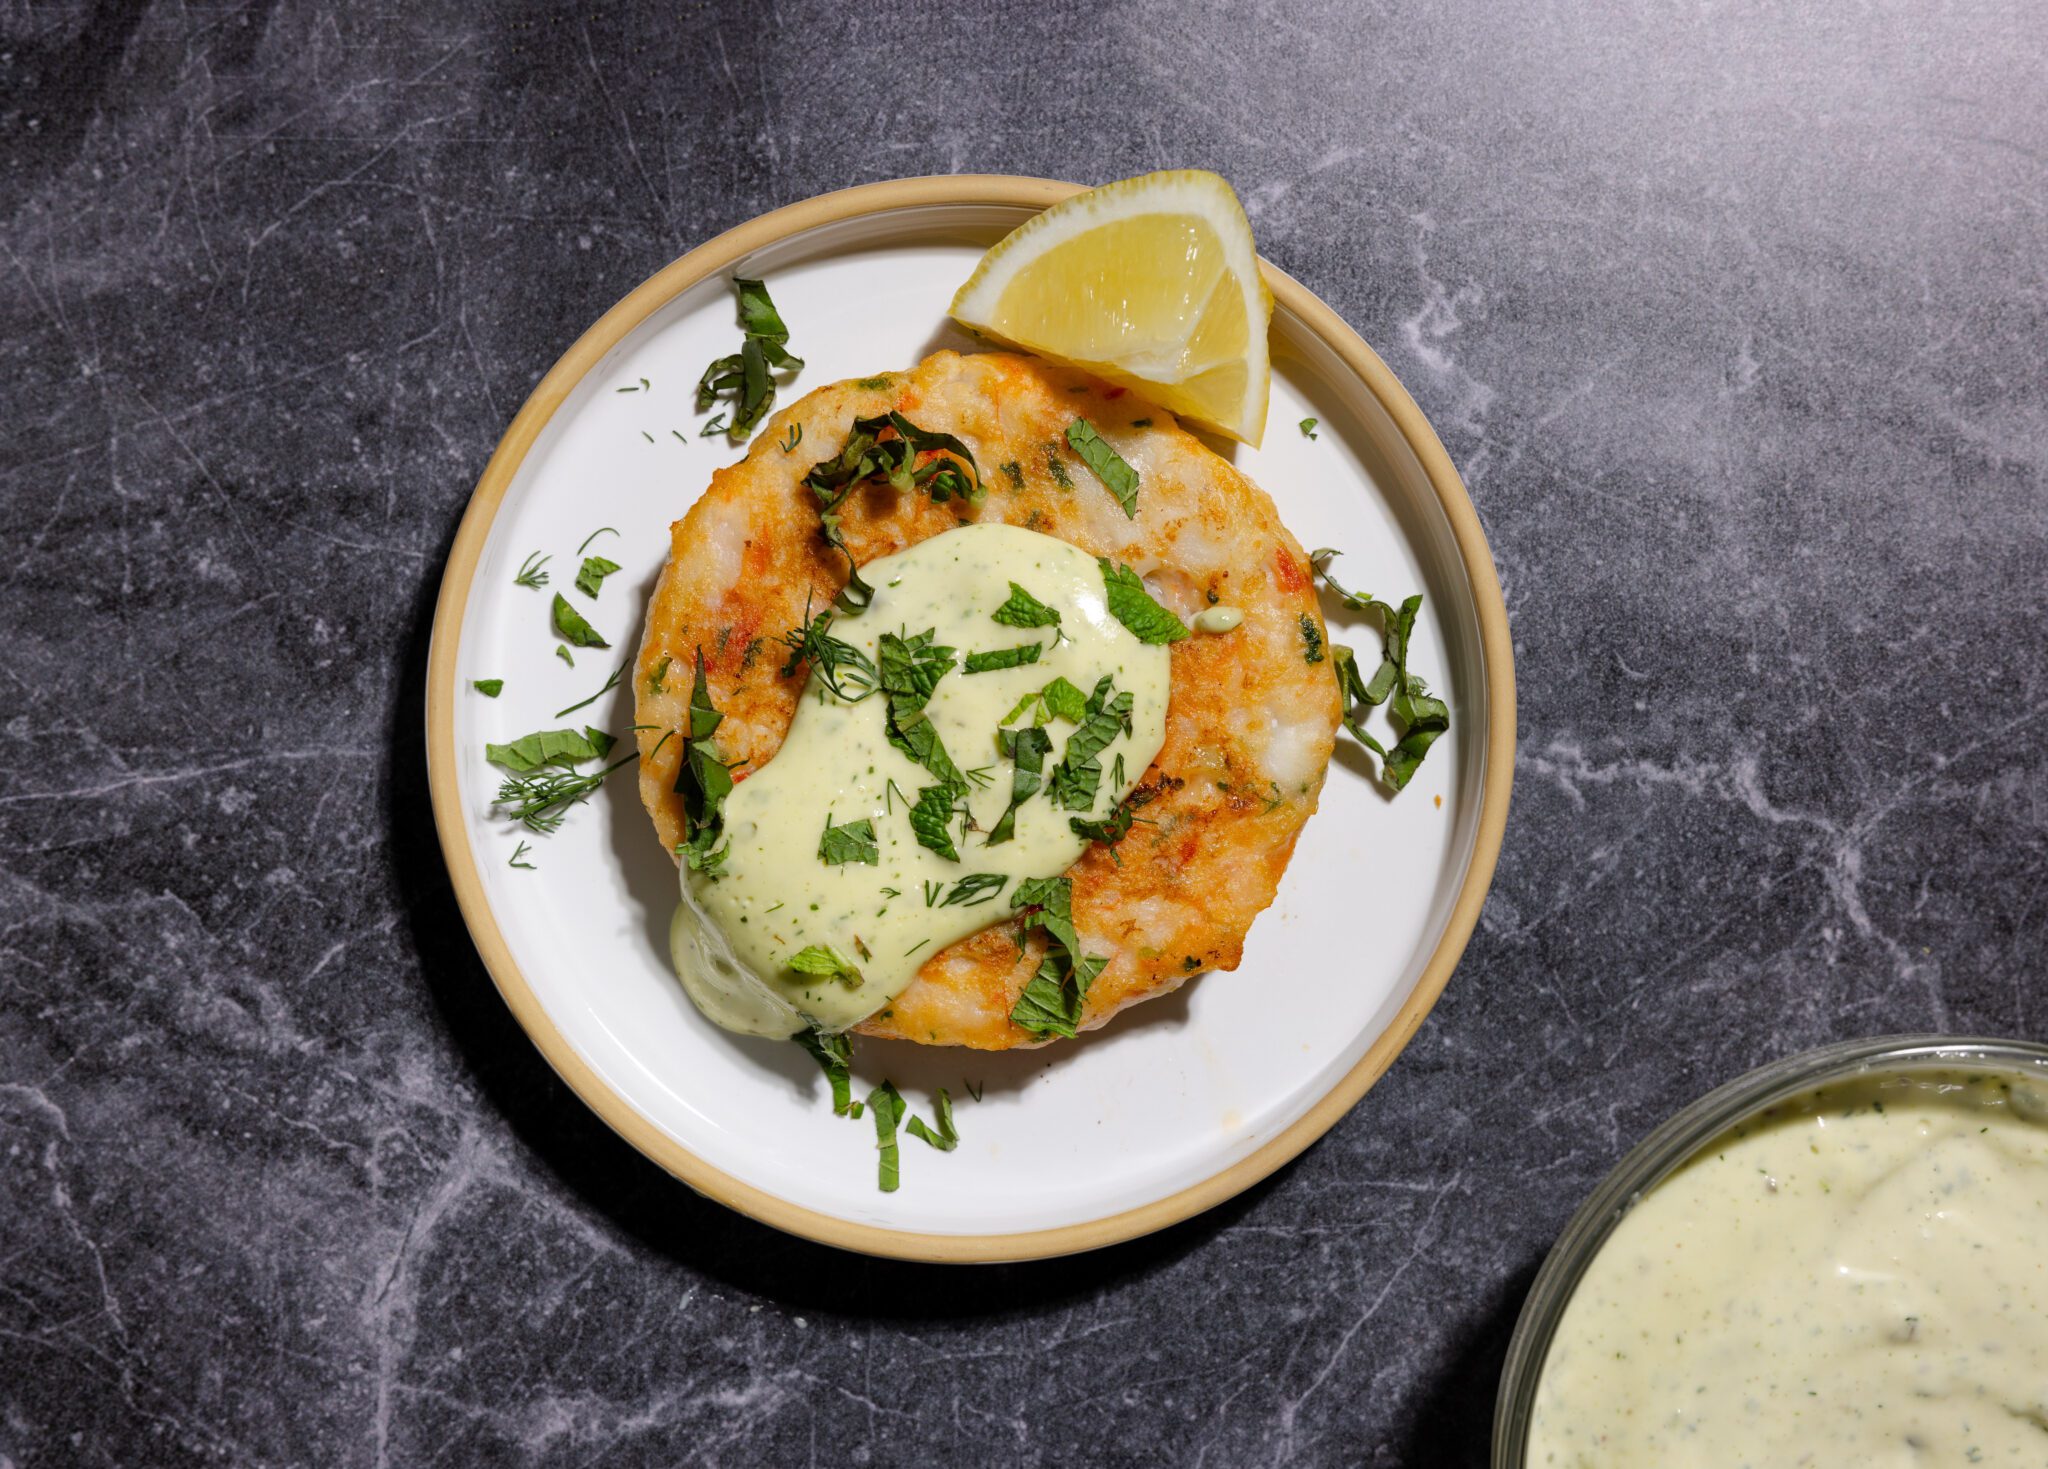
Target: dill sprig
x: 530, y: 573
x: 540, y: 799
x: 849, y: 673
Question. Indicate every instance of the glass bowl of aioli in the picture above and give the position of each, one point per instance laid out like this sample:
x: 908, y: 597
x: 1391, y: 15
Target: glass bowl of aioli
x: 1880, y: 1210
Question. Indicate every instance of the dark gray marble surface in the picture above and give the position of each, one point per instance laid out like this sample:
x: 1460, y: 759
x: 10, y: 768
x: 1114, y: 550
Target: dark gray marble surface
x: 1732, y: 317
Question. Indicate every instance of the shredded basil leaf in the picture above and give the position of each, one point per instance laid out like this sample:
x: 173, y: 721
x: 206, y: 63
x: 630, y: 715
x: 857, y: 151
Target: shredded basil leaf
x: 490, y: 688
x: 853, y: 842
x: 1132, y: 605
x: 1117, y: 476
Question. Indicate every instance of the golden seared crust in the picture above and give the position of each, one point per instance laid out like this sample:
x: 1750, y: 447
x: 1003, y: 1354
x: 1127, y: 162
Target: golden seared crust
x: 1249, y: 725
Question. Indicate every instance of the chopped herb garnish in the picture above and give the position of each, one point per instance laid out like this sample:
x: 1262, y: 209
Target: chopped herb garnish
x: 1117, y: 476
x: 609, y: 684
x: 1028, y: 748
x: 945, y: 1139
x: 541, y: 800
x: 1132, y: 605
x: 490, y: 688
x: 1141, y: 423
x: 655, y: 684
x: 912, y: 460
x: 888, y: 1108
x: 530, y: 573
x: 1421, y: 717
x: 1078, y: 776
x: 910, y: 668
x: 713, y: 426
x: 974, y: 889
x: 1025, y: 610
x: 1312, y: 639
x: 826, y: 962
x: 592, y: 574
x: 853, y: 842
x: 1056, y: 467
x: 518, y: 858
x: 1013, y: 472
x: 796, y: 436
x: 603, y: 530
x: 646, y: 435
x: 931, y: 820
x: 562, y: 747
x: 996, y: 658
x: 562, y: 652
x: 743, y: 378
x: 703, y: 781
x: 572, y: 629
x: 1308, y: 428
x: 834, y: 1054
x: 844, y: 669
x: 1051, y: 1001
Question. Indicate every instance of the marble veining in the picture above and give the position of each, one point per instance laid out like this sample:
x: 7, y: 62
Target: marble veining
x: 1730, y: 315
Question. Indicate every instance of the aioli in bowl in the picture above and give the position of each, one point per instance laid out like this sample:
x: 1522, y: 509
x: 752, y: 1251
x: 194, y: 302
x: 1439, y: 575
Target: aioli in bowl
x: 1857, y: 1274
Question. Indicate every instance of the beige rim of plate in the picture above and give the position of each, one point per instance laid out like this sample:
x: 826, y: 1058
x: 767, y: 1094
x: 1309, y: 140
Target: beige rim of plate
x: 716, y: 256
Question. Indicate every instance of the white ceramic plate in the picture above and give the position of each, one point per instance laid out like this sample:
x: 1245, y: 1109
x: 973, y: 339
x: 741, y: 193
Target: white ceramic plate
x: 1177, y: 1103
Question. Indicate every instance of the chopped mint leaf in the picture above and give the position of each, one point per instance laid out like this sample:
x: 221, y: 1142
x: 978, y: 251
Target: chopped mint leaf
x: 572, y: 629
x: 592, y: 574
x: 1132, y: 605
x: 562, y: 747
x: 1028, y: 748
x: 931, y: 820
x: 1025, y: 610
x: 834, y: 1054
x: 1117, y: 476
x: 826, y: 962
x: 996, y: 658
x: 853, y: 842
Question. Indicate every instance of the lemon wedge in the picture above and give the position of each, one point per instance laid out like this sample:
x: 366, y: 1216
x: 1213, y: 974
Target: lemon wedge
x: 1152, y: 283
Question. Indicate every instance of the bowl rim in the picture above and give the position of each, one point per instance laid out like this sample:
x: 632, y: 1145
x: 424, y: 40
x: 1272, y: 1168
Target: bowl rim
x: 1674, y: 1142
x: 718, y: 254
